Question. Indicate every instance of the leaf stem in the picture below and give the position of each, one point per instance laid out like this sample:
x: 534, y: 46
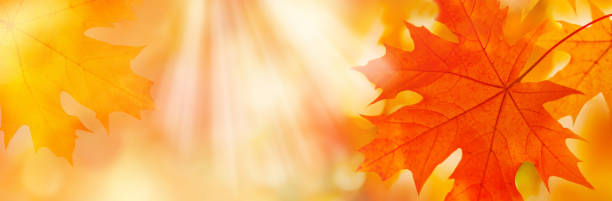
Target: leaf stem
x: 556, y: 45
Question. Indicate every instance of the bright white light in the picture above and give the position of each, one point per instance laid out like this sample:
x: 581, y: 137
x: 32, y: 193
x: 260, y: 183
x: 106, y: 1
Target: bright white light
x: 181, y: 85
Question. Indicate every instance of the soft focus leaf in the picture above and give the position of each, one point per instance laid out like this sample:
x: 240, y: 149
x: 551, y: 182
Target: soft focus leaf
x: 589, y: 68
x: 44, y: 51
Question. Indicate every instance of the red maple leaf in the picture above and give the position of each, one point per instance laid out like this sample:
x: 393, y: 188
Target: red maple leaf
x: 473, y: 100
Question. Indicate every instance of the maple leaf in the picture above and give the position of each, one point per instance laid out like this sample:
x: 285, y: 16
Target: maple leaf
x: 589, y: 68
x: 44, y: 51
x: 473, y: 100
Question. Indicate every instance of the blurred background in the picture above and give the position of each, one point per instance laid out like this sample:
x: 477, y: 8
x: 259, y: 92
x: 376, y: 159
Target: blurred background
x: 256, y: 100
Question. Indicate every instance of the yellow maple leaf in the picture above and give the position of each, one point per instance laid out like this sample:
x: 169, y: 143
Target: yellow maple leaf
x: 589, y: 66
x: 44, y: 51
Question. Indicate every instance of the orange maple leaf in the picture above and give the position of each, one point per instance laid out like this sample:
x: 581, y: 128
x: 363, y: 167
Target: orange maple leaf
x: 589, y: 68
x: 44, y: 52
x: 473, y: 100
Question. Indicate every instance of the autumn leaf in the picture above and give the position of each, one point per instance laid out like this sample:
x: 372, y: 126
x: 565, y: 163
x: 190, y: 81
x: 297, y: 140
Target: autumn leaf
x: 473, y: 100
x: 44, y: 52
x: 589, y: 68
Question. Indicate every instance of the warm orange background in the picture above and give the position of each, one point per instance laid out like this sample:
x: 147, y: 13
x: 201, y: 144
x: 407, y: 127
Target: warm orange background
x: 256, y: 101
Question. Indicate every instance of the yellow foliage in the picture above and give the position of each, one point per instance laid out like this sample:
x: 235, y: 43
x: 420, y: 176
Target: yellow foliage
x: 44, y: 51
